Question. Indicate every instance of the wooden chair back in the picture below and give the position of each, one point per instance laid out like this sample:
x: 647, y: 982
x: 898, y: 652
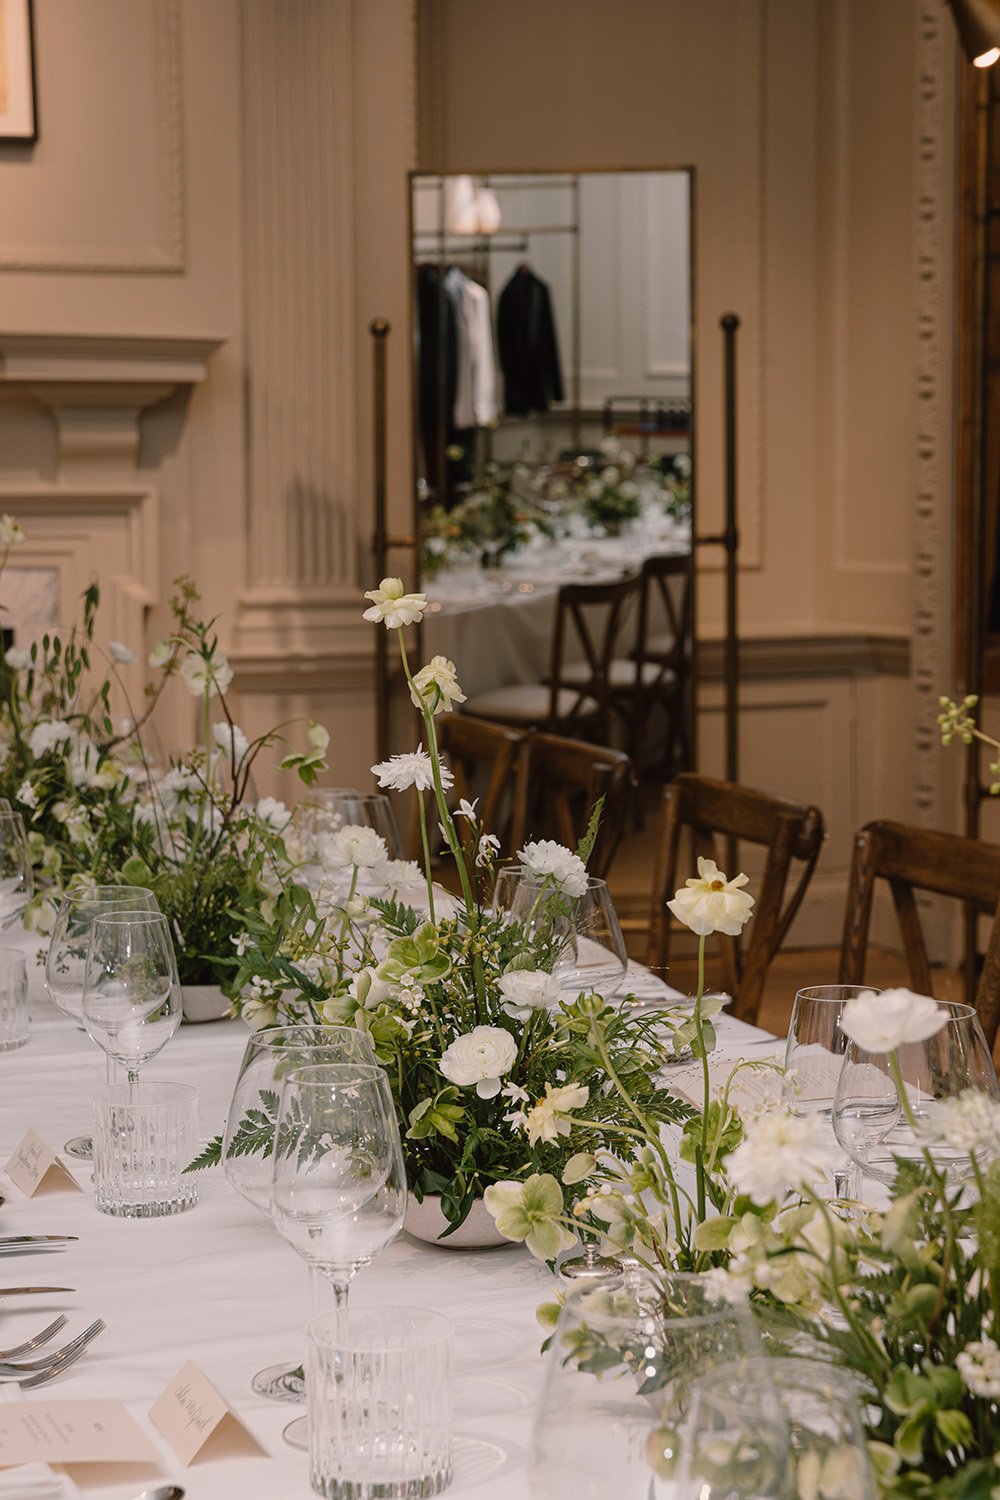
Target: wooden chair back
x: 664, y: 640
x: 594, y: 615
x: 558, y: 782
x: 922, y: 859
x: 788, y: 830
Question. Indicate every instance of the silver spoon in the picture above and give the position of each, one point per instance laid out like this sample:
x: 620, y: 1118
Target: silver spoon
x: 163, y: 1492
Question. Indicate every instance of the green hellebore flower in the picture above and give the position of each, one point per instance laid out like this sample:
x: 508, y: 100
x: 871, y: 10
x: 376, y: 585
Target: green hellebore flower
x: 531, y: 1211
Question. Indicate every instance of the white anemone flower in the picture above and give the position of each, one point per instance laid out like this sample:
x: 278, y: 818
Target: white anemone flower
x: 206, y: 674
x: 881, y: 1023
x: 231, y: 739
x: 711, y: 902
x: 393, y: 606
x: 970, y: 1121
x: 435, y: 686
x: 778, y: 1153
x: 12, y: 533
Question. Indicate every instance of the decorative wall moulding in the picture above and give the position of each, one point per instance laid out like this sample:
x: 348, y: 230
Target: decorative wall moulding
x: 102, y: 369
x: 849, y: 654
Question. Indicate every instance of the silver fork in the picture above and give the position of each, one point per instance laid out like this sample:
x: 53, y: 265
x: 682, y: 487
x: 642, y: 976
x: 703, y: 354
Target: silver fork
x: 10, y: 1370
x: 35, y: 1343
x: 57, y: 1367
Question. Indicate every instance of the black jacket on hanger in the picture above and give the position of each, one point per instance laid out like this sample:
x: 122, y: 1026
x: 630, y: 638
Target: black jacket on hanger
x: 529, y: 354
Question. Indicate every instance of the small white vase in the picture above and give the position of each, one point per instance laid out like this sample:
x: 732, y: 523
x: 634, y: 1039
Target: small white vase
x: 426, y: 1222
x: 204, y: 1002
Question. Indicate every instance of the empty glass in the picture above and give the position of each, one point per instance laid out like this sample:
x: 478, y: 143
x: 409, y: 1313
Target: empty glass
x: 869, y: 1119
x: 269, y: 1057
x: 577, y: 938
x: 324, y: 810
x: 380, y: 1421
x: 814, y: 1055
x: 338, y: 1184
x: 13, y: 999
x: 142, y: 1148
x: 67, y: 958
x: 131, y: 992
x: 618, y: 1383
x: 17, y: 880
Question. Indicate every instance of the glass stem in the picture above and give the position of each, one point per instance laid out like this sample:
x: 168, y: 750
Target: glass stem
x: 341, y: 1284
x: 133, y: 1087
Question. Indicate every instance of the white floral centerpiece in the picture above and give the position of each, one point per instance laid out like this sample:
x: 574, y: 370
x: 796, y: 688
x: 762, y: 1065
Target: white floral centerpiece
x: 498, y: 1073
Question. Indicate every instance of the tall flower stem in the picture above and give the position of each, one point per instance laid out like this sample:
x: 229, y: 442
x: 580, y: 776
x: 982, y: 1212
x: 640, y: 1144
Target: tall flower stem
x: 425, y: 842
x: 702, y: 1150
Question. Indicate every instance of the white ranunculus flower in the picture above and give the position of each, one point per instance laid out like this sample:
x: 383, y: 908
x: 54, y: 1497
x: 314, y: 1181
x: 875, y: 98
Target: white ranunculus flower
x: 412, y: 769
x: 545, y: 859
x: 354, y: 845
x: 481, y: 1057
x: 979, y: 1366
x: 206, y: 674
x: 881, y: 1023
x: 48, y: 734
x: 273, y: 814
x: 393, y: 606
x: 26, y: 794
x: 548, y: 1120
x: 231, y: 739
x: 12, y: 533
x: 120, y: 652
x: 17, y: 658
x: 711, y: 903
x: 526, y: 990
x: 436, y: 687
x: 780, y: 1152
x: 161, y: 654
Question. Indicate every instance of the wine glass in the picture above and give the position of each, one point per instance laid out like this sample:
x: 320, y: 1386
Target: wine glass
x: 131, y: 992
x: 338, y: 1184
x: 269, y: 1057
x: 67, y: 957
x: 870, y: 1120
x: 542, y: 910
x: 578, y: 938
x: 814, y: 1055
x: 17, y: 880
x: 618, y: 1383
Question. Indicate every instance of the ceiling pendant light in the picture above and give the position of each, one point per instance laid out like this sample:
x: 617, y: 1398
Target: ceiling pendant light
x: 978, y: 23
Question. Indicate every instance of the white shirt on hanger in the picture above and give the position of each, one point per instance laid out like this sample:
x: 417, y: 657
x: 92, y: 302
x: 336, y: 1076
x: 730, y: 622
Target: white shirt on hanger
x: 476, y: 383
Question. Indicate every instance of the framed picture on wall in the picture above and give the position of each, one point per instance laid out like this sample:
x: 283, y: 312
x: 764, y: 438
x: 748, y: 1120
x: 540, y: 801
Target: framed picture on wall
x: 18, y: 109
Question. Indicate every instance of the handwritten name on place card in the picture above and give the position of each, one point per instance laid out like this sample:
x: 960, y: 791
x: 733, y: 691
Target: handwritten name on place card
x: 35, y: 1167
x: 65, y: 1432
x: 191, y: 1412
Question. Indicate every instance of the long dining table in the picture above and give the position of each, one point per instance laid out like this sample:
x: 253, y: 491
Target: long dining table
x: 217, y: 1285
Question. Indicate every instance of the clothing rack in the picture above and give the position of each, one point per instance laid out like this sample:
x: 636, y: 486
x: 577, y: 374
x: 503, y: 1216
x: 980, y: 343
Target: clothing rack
x: 437, y: 246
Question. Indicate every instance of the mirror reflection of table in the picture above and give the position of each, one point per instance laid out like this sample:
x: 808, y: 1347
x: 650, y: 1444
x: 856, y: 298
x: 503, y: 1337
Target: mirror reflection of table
x: 496, y: 624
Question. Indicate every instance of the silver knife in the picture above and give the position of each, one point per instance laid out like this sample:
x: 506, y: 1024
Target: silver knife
x: 27, y: 1291
x: 35, y: 1239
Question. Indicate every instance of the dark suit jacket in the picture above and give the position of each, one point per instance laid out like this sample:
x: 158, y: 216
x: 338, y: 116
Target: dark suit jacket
x: 529, y: 354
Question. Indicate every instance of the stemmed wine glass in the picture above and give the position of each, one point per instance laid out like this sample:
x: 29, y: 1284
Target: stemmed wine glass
x: 269, y: 1057
x: 814, y: 1055
x: 131, y: 992
x: 17, y: 880
x: 338, y: 1184
x: 875, y: 1126
x: 578, y: 937
x: 67, y: 957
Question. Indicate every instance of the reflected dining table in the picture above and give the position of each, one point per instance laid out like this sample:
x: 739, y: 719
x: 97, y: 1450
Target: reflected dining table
x: 217, y: 1285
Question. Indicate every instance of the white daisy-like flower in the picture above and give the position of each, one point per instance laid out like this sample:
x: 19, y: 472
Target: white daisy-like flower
x: 48, y: 734
x: 779, y: 1152
x: 711, y: 902
x: 122, y: 653
x: 968, y: 1122
x: 549, y: 1117
x: 547, y: 860
x: 979, y: 1366
x: 17, y: 658
x: 206, y: 674
x: 413, y: 768
x: 403, y: 876
x: 393, y: 606
x: 273, y: 814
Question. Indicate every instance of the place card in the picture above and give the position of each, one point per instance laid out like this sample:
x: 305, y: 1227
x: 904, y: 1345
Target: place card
x: 71, y: 1432
x: 35, y: 1168
x: 191, y: 1414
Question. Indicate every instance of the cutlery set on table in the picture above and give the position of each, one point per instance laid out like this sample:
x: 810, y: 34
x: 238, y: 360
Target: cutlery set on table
x: 14, y: 1367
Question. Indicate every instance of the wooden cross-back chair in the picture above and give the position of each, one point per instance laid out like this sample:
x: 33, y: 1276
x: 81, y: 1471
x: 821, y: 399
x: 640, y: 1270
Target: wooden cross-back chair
x: 592, y: 618
x: 482, y: 756
x: 921, y: 859
x: 788, y: 830
x: 667, y: 590
x: 558, y: 783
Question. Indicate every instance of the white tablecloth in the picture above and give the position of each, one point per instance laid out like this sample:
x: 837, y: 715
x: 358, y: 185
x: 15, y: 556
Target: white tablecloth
x: 218, y: 1286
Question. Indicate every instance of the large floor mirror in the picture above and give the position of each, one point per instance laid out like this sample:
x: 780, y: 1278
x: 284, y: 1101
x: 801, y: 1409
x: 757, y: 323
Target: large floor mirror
x: 553, y: 425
